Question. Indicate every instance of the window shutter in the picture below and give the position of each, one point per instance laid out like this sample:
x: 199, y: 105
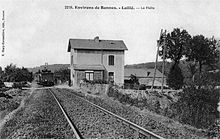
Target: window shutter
x: 111, y: 60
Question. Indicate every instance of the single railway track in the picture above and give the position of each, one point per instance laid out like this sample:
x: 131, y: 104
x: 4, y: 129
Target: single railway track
x: 73, y: 127
x: 141, y: 132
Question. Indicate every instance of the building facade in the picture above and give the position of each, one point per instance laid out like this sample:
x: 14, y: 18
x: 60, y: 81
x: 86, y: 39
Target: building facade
x: 145, y: 76
x: 95, y: 59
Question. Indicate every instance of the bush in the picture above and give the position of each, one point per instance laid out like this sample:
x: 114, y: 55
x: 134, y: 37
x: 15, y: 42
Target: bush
x: 17, y: 85
x: 95, y: 81
x: 142, y: 87
x: 62, y: 74
x: 5, y: 96
x: 197, y: 106
x: 15, y: 74
x: 89, y: 92
x: 2, y: 84
x: 175, y: 77
x: 157, y: 107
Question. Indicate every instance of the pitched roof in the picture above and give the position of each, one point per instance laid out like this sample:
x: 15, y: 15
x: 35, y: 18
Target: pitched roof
x: 158, y: 73
x: 136, y: 72
x: 147, y: 73
x: 88, y: 67
x: 93, y: 44
x: 148, y: 81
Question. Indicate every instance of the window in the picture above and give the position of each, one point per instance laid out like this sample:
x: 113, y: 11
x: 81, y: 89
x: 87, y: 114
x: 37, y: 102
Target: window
x: 111, y: 59
x: 71, y: 59
x: 111, y: 76
x: 90, y: 76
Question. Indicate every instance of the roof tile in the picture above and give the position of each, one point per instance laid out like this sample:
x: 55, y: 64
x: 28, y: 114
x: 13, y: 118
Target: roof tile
x: 94, y: 45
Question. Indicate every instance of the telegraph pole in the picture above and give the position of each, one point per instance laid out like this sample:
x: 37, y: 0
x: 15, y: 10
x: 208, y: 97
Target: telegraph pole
x: 155, y: 66
x: 219, y: 92
x: 164, y: 51
x: 218, y: 108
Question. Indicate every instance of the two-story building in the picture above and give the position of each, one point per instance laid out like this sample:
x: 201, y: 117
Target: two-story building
x: 95, y: 59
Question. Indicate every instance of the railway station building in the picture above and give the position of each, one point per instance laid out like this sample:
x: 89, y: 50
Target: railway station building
x: 95, y: 59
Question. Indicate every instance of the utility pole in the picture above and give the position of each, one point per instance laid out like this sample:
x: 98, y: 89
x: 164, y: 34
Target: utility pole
x: 219, y: 92
x: 155, y: 66
x: 164, y: 51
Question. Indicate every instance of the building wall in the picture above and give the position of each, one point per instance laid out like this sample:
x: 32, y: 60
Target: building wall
x: 98, y: 75
x: 89, y: 57
x: 80, y: 76
x: 118, y: 67
x: 73, y: 60
x: 99, y: 57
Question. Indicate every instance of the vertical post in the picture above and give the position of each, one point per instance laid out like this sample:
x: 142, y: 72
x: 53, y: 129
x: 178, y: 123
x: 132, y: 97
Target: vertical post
x: 102, y: 56
x: 219, y: 91
x: 155, y: 66
x: 164, y: 51
x: 218, y: 108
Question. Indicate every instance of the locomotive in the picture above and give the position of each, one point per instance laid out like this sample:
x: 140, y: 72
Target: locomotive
x: 45, y: 77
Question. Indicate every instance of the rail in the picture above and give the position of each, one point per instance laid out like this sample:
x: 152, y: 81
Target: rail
x: 136, y: 127
x: 76, y: 132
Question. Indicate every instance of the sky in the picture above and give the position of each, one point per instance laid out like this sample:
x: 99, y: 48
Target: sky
x: 37, y: 31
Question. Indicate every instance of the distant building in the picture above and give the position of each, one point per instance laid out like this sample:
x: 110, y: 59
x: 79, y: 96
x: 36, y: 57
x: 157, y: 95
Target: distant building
x: 95, y: 59
x: 145, y: 76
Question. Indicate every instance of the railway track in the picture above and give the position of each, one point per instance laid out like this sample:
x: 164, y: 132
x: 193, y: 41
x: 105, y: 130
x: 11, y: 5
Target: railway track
x: 89, y: 120
x: 73, y: 127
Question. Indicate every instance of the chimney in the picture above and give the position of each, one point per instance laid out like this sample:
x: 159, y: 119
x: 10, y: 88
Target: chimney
x: 96, y: 39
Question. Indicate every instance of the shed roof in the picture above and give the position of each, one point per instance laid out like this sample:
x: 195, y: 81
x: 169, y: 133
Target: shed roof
x: 96, y: 44
x: 136, y: 72
x: 148, y: 81
x: 156, y: 83
x: 147, y: 73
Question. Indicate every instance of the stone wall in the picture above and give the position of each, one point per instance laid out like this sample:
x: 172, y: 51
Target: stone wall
x: 152, y: 97
x: 95, y: 89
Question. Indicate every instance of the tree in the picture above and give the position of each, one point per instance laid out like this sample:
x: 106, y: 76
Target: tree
x: 192, y: 69
x: 23, y: 75
x: 134, y: 79
x: 203, y: 51
x: 134, y: 82
x: 1, y: 83
x: 9, y: 69
x: 208, y: 80
x: 176, y: 43
x: 0, y: 70
x: 15, y: 74
x: 62, y: 74
x: 175, y: 77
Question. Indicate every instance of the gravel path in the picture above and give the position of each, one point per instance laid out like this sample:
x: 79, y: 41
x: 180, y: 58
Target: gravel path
x: 39, y: 118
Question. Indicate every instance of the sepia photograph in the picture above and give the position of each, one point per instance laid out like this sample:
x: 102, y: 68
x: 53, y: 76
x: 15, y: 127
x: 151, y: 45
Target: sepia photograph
x: 109, y: 69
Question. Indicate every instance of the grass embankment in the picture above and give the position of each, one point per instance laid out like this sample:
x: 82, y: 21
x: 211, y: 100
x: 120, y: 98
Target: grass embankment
x: 40, y: 117
x: 10, y: 100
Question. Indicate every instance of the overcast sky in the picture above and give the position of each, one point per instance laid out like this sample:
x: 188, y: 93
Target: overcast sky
x: 38, y: 31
